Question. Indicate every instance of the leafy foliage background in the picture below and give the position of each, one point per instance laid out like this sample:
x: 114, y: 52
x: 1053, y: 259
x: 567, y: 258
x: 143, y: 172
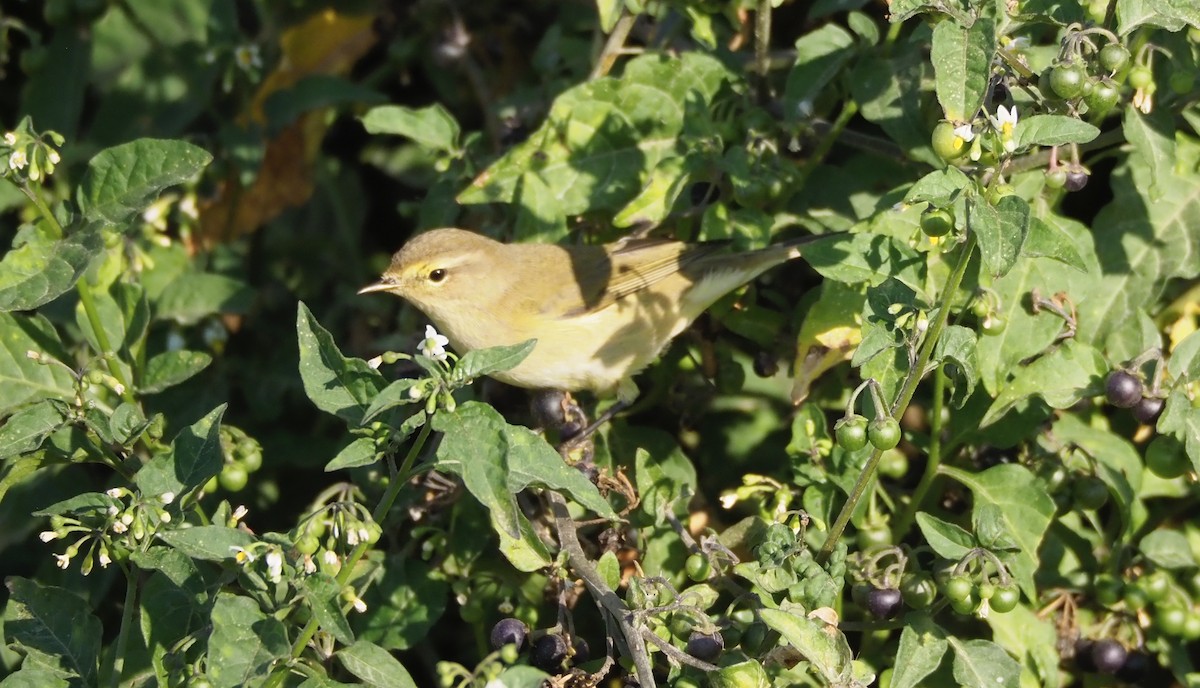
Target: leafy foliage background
x: 225, y: 175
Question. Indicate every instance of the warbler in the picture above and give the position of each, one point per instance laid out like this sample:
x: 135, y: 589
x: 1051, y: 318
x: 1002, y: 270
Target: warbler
x: 600, y: 314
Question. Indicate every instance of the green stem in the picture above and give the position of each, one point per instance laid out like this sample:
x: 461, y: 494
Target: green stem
x: 762, y: 41
x: 118, y: 657
x: 44, y: 209
x: 613, y: 45
x: 934, y: 457
x: 828, y: 138
x: 380, y: 512
x: 915, y: 374
x: 106, y: 350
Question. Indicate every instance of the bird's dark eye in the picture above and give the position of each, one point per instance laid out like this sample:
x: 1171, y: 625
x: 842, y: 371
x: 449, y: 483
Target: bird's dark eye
x: 437, y: 275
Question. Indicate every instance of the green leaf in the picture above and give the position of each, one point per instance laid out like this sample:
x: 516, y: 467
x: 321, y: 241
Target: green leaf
x: 602, y: 138
x: 938, y: 188
x: 901, y: 10
x: 865, y: 257
x: 1025, y: 512
x: 538, y: 217
x: 395, y: 394
x: 1181, y: 419
x: 1171, y: 15
x: 360, y: 452
x: 822, y: 645
x: 1053, y: 130
x: 526, y: 552
x: 315, y: 92
x: 87, y: 504
x: 323, y: 595
x: 22, y: 379
x: 174, y: 599
x: 209, y: 543
x: 54, y: 627
x: 1154, y: 137
x: 246, y: 641
x: 342, y: 386
x: 657, y: 197
x: 957, y: 346
x: 31, y: 675
x: 1168, y: 548
x: 1142, y: 243
x: 922, y: 645
x: 375, y: 666
x: 431, y: 127
x: 947, y: 539
x: 407, y: 602
x: 195, y: 457
x: 171, y: 368
x: 1001, y: 230
x: 1032, y: 640
x: 25, y: 430
x: 962, y: 63
x: 127, y: 423
x: 522, y: 677
x: 983, y: 664
x: 1048, y: 241
x: 532, y: 461
x: 820, y: 56
x: 474, y: 447
x: 42, y: 269
x: 193, y: 296
x: 1117, y: 462
x: 497, y: 359
x: 1028, y: 333
x: 1067, y: 374
x: 890, y: 90
x: 124, y: 180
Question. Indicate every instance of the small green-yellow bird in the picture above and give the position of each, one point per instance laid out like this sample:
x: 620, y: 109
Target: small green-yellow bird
x: 600, y: 314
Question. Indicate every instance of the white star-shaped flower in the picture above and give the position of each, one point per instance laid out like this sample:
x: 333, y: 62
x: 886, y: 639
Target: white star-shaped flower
x: 434, y: 344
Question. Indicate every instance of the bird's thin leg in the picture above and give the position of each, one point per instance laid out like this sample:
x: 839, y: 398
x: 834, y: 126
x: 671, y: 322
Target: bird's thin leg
x: 584, y: 435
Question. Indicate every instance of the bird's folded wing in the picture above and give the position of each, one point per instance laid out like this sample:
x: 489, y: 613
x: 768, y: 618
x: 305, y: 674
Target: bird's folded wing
x: 636, y: 265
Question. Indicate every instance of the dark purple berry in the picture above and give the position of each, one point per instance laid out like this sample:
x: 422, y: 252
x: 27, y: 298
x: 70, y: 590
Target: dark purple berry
x: 1108, y: 656
x: 1123, y: 389
x: 1083, y: 656
x: 1147, y: 409
x: 765, y: 364
x: 548, y: 653
x: 884, y: 603
x: 1134, y: 670
x: 582, y: 651
x: 508, y: 632
x: 705, y: 646
x: 548, y: 409
x: 1077, y: 178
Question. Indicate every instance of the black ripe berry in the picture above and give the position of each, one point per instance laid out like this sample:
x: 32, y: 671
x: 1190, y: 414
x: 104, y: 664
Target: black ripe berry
x: 1147, y: 409
x: 884, y: 603
x: 548, y: 653
x: 1123, y: 389
x: 1108, y: 656
x: 705, y: 646
x: 508, y: 632
x: 1135, y: 668
x: 1077, y: 178
x: 583, y: 652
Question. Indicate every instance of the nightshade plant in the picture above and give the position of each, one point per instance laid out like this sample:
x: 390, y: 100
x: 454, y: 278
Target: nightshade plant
x: 959, y: 446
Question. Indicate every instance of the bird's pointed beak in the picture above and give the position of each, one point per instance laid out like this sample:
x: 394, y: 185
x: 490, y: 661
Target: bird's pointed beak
x: 378, y: 286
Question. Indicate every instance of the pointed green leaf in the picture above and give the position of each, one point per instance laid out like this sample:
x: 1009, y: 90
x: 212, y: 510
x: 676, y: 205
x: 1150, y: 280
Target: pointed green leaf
x: 342, y: 386
x: 375, y: 666
x: 55, y: 627
x: 1053, y: 130
x: 195, y: 457
x: 244, y: 641
x: 25, y: 430
x: 210, y: 543
x: 922, y: 645
x: 1001, y: 230
x: 323, y: 595
x: 42, y: 269
x: 962, y: 63
x: 21, y: 378
x: 983, y: 664
x: 124, y: 180
x: 431, y: 127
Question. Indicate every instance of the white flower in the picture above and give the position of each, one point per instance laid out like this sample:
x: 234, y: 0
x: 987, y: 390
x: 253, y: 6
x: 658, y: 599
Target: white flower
x: 187, y: 206
x: 274, y: 565
x: 114, y: 492
x: 434, y: 344
x: 330, y: 557
x: 351, y: 537
x: 965, y: 132
x: 374, y: 363
x: 310, y: 566
x: 112, y: 510
x: 1005, y: 121
x: 364, y: 535
x: 64, y: 560
x: 359, y: 605
x: 127, y: 518
x: 239, y: 513
x: 47, y: 535
x: 53, y: 157
x: 103, y: 558
x: 164, y: 517
x: 247, y: 57
x: 120, y: 528
x: 242, y: 555
x: 17, y: 160
x: 10, y: 138
x: 167, y: 497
